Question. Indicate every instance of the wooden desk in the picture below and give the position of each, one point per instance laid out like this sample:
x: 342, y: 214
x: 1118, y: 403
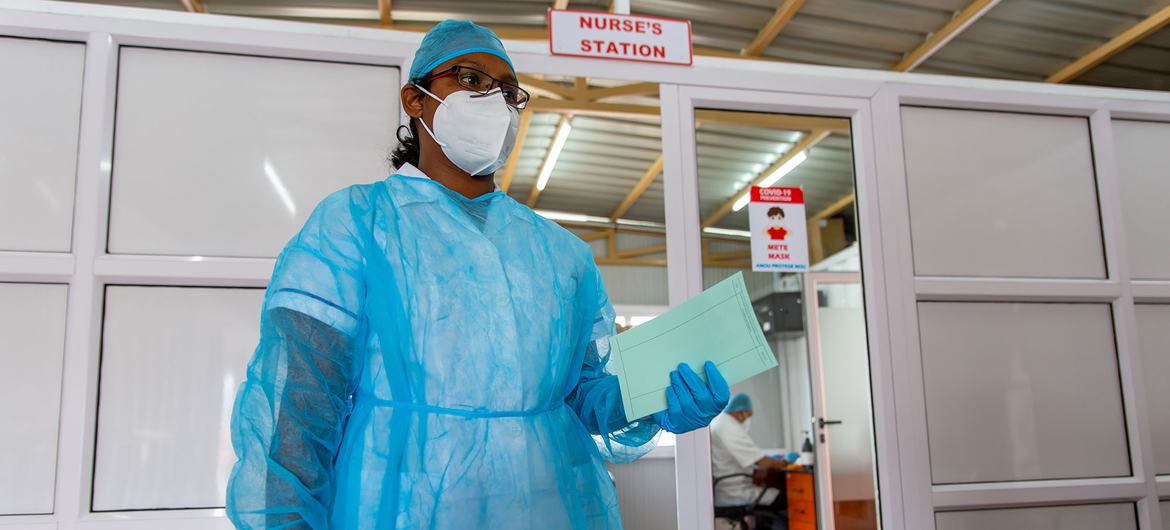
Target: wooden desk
x: 802, y: 503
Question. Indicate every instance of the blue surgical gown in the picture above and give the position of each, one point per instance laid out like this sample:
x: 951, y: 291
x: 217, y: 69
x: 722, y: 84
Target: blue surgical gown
x: 431, y: 361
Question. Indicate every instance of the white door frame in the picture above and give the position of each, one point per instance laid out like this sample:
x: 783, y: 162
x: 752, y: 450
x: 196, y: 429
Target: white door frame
x: 683, y: 244
x: 823, y: 467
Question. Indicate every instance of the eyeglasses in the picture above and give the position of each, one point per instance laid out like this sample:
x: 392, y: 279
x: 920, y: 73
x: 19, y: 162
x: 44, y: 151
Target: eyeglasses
x: 477, y: 81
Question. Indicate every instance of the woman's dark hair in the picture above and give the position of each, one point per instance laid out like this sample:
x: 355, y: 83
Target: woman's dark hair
x: 775, y: 211
x: 406, y: 152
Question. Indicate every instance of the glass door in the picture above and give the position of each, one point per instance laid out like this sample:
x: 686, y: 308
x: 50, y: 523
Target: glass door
x: 814, y: 322
x: 842, y: 425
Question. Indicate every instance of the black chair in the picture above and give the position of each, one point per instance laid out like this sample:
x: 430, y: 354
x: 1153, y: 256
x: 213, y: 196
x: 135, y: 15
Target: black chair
x: 738, y: 514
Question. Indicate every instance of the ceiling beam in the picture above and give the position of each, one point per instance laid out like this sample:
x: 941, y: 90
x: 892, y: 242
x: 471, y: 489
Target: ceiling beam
x: 729, y: 256
x: 749, y: 119
x: 768, y: 33
x: 580, y: 88
x: 560, y: 4
x: 600, y: 234
x: 592, y: 108
x: 643, y: 184
x: 580, y: 91
x: 763, y: 120
x: 833, y: 209
x: 546, y: 88
x: 384, y: 16
x: 646, y: 262
x: 193, y: 6
x: 639, y: 251
x: 633, y: 89
x: 935, y: 41
x: 805, y: 144
x: 1116, y: 45
x: 510, y: 166
x: 728, y: 264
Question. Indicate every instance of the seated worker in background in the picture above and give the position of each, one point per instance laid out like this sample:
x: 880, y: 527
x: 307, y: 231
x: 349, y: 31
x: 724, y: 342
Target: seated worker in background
x: 734, y: 452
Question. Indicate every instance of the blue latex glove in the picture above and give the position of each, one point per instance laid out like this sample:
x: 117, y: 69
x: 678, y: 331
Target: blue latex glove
x: 690, y: 403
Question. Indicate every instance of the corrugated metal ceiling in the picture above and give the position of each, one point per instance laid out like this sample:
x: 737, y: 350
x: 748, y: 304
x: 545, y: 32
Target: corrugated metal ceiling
x: 1016, y: 39
x: 604, y: 157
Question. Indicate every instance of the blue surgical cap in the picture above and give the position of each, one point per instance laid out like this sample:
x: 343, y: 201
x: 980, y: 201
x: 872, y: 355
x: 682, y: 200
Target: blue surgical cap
x: 739, y: 402
x: 450, y: 39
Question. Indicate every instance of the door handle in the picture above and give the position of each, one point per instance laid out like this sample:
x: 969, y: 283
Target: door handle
x: 821, y: 422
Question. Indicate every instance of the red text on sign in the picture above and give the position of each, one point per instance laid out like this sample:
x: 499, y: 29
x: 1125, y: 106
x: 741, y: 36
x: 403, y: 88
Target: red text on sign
x: 621, y: 24
x: 784, y: 195
x: 628, y: 49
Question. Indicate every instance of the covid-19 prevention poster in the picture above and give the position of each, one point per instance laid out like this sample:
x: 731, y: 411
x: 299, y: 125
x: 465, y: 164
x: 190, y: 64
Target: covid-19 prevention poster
x: 779, y: 231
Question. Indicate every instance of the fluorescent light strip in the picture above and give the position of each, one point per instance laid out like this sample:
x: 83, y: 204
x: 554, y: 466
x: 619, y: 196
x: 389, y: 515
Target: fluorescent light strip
x: 727, y: 232
x: 554, y: 152
x: 568, y: 217
x: 770, y: 180
x: 741, y: 202
x: 572, y: 217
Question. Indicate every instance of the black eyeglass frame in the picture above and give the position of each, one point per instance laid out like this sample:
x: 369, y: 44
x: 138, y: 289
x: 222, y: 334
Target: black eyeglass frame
x: 519, y: 104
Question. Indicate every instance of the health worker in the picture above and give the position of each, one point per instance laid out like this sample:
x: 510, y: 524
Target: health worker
x: 735, y: 458
x: 433, y: 354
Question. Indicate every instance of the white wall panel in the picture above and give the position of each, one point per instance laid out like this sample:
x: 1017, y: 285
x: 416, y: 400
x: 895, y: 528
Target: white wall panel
x: 1021, y: 392
x: 1000, y: 194
x: 1164, y: 506
x: 1154, y: 340
x: 32, y: 344
x: 40, y: 113
x: 1143, y: 163
x: 172, y: 360
x: 227, y: 155
x: 1094, y: 517
x: 646, y: 493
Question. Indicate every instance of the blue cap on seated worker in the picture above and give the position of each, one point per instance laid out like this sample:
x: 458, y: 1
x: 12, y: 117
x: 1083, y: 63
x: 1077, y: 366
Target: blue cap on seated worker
x: 430, y: 360
x: 739, y: 402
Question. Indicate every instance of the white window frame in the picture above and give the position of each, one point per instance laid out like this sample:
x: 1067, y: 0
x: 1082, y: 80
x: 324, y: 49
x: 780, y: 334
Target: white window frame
x: 905, y: 289
x: 871, y: 99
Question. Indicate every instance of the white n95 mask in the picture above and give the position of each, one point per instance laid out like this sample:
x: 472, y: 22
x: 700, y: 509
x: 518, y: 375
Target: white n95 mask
x: 476, y: 131
x: 747, y: 425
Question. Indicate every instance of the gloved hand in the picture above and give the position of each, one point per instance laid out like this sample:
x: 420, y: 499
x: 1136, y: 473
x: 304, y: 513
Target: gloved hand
x: 690, y: 403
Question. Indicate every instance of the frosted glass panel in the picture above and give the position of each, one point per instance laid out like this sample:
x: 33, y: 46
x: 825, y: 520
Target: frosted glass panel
x: 227, y: 155
x: 1144, y: 167
x: 1164, y: 506
x: 1021, y: 392
x: 1154, y: 340
x: 32, y: 344
x: 40, y: 113
x: 1094, y: 517
x: 999, y: 194
x: 172, y: 359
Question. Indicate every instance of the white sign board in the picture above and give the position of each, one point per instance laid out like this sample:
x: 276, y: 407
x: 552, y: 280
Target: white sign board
x: 623, y: 37
x: 779, y: 232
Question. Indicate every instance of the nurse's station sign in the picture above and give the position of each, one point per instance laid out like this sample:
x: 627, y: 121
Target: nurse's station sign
x: 622, y: 37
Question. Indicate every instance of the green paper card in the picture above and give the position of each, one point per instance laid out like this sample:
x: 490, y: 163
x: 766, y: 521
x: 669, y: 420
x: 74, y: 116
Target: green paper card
x: 717, y: 325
